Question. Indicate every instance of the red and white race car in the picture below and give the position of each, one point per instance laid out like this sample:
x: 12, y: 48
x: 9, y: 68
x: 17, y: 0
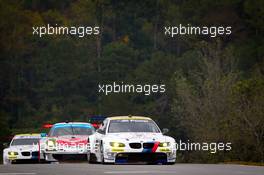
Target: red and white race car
x: 66, y: 141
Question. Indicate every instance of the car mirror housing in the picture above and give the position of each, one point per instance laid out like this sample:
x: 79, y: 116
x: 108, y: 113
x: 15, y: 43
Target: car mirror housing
x: 165, y: 130
x: 100, y: 131
x: 43, y: 134
x: 5, y: 145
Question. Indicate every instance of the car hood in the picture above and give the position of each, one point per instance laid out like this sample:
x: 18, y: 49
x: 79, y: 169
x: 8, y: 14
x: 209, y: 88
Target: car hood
x: 22, y: 148
x: 138, y: 137
x: 71, y: 139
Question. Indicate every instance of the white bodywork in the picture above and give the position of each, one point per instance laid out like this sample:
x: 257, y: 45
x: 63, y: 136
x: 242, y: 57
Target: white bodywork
x: 65, y: 144
x: 15, y: 153
x: 105, y: 148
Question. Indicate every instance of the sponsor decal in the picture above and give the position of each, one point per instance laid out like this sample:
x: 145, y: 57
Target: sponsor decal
x: 164, y: 150
x: 12, y: 157
x: 156, y: 145
x: 118, y: 150
x: 153, y: 149
x: 72, y: 141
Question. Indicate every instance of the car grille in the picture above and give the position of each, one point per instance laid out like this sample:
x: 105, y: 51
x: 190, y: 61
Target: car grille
x: 135, y: 145
x: 25, y: 153
x: 148, y: 145
x: 141, y: 157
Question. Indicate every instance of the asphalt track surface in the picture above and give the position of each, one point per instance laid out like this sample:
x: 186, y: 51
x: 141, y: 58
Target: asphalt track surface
x: 97, y: 169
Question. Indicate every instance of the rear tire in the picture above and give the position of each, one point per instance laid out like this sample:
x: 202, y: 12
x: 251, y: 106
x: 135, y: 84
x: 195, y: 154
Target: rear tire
x: 7, y: 162
x: 91, y: 158
x: 102, y: 153
x: 170, y: 163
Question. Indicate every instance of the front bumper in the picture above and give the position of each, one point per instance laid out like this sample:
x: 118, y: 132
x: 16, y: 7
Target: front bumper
x: 24, y: 156
x: 66, y: 151
x: 123, y: 155
x: 65, y: 154
x: 64, y: 157
x: 152, y: 158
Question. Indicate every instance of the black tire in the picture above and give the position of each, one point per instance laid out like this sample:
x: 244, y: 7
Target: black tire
x: 170, y: 163
x: 7, y: 163
x: 91, y: 158
x: 88, y: 157
x: 102, y: 153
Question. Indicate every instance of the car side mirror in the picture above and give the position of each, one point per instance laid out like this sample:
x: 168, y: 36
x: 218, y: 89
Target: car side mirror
x: 165, y: 130
x: 43, y: 134
x: 5, y: 145
x: 100, y: 131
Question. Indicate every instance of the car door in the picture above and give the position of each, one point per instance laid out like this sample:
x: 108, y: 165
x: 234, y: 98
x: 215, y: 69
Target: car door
x: 99, y: 136
x: 101, y: 132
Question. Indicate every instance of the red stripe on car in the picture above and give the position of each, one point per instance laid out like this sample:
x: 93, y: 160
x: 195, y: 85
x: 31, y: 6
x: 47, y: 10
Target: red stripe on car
x: 156, y: 145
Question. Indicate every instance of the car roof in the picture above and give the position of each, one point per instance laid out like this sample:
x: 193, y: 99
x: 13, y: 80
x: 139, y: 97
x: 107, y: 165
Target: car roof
x: 70, y: 123
x: 130, y: 117
x: 28, y: 135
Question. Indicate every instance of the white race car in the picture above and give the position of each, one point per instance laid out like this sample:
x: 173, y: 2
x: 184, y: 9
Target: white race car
x: 23, y: 148
x: 67, y: 141
x: 131, y: 139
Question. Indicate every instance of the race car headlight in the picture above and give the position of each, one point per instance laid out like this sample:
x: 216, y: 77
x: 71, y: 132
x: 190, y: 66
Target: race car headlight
x: 50, y: 144
x: 12, y: 153
x: 117, y: 144
x: 164, y: 144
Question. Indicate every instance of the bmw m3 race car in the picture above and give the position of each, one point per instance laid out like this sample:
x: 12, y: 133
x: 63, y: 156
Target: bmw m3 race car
x: 23, y: 148
x: 131, y: 139
x: 67, y: 141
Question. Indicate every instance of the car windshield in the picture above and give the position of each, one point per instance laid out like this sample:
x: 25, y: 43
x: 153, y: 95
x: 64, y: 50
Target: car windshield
x: 132, y: 126
x: 71, y: 130
x: 28, y: 141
